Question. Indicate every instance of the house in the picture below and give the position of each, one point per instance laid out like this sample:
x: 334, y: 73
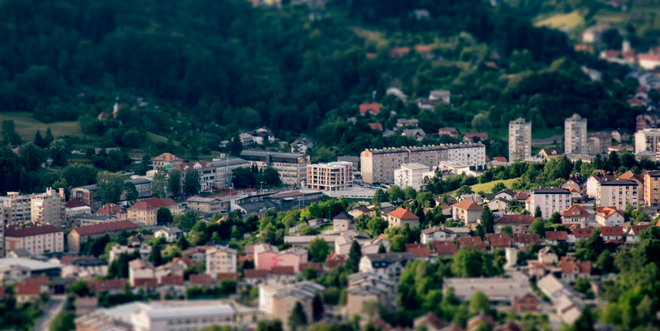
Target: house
x: 359, y: 211
x: 19, y: 253
x: 420, y: 251
x: 82, y: 234
x: 615, y: 233
x: 528, y: 303
x: 582, y: 233
x: 524, y: 239
x: 205, y: 169
x: 576, y: 182
x: 113, y: 210
x: 402, y: 216
x: 498, y: 241
x: 506, y: 195
x: 254, y: 276
x: 111, y: 286
x: 334, y: 260
x: 449, y: 131
x: 444, y: 248
x: 549, y: 153
x: 28, y: 292
x: 165, y: 159
x: 146, y: 211
x: 197, y: 254
x: 592, y: 181
x: 436, y: 233
x: 430, y: 322
x: 474, y: 242
x: 468, y: 211
x: 343, y: 244
x: 376, y: 126
x: 277, y: 300
x: 301, y: 145
x: 547, y: 256
x: 556, y: 237
x: 399, y: 52
x: 440, y: 95
x: 86, y: 305
x: 170, y: 233
x: 370, y: 108
x: 407, y: 123
x: 398, y: 94
x: 517, y: 223
x: 267, y: 256
x: 37, y: 238
x: 200, y: 280
x: 572, y: 268
x: 389, y: 264
x: 140, y: 269
x: 632, y: 236
x: 498, y: 290
x: 609, y: 216
x: 499, y: 160
x: 417, y: 134
x: 500, y: 204
x: 575, y: 214
x: 342, y: 222
x: 85, y: 267
x: 475, y: 137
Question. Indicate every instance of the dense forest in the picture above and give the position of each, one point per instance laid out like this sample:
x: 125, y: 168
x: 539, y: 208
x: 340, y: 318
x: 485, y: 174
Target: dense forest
x: 199, y: 71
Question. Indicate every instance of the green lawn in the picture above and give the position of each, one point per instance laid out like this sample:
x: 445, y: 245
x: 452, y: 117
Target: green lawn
x: 570, y: 20
x: 27, y: 126
x: 487, y: 187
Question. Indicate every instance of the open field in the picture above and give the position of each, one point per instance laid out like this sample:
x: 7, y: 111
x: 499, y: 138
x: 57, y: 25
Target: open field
x: 27, y: 126
x: 570, y: 20
x: 487, y: 187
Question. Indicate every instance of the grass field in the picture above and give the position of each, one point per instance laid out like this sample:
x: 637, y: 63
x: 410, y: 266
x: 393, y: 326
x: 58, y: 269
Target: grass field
x: 487, y: 187
x: 27, y: 126
x: 570, y: 20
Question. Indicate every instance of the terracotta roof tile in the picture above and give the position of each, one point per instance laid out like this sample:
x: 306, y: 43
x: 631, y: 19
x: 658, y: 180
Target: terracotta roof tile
x: 201, y: 279
x: 556, y: 235
x: 105, y: 227
x: 110, y: 209
x: 369, y: 107
x: 283, y: 270
x: 568, y: 264
x: 28, y: 289
x: 467, y: 204
x: 444, y: 247
x: 146, y: 282
x: 75, y: 203
x: 168, y: 157
x: 575, y: 211
x: 153, y: 203
x: 527, y: 238
x: 612, y: 231
x: 29, y: 229
x: 418, y: 250
x: 222, y: 276
x: 403, y: 214
x: 515, y: 219
x: 334, y: 260
x: 171, y: 280
x: 255, y: 273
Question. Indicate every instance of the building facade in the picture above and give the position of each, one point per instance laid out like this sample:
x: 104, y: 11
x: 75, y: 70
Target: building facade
x: 651, y: 196
x: 647, y: 140
x: 411, y: 175
x: 549, y: 200
x: 334, y: 176
x: 520, y: 140
x: 617, y: 193
x: 224, y: 168
x: 291, y: 167
x: 165, y: 159
x: 575, y: 135
x: 37, y: 238
x: 146, y: 211
x: 16, y: 208
x: 205, y: 169
x: 220, y: 259
x: 278, y: 300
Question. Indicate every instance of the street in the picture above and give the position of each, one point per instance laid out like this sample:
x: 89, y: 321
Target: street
x: 50, y: 310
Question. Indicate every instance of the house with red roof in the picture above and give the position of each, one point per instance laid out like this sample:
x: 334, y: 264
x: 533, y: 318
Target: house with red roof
x: 468, y: 211
x: 572, y: 268
x: 524, y: 239
x: 609, y: 216
x: 254, y: 276
x: 582, y: 233
x: 28, y: 292
x: 475, y: 242
x: 112, y: 286
x: 517, y: 223
x: 556, y: 237
x: 448, y: 131
x: 498, y: 241
x: 113, y: 210
x: 444, y: 248
x: 200, y: 280
x: 376, y: 126
x: 145, y: 211
x: 165, y: 159
x: 632, y: 236
x: 616, y: 233
x: 420, y: 251
x: 475, y: 137
x: 401, y: 216
x: 82, y: 234
x: 369, y: 108
x: 575, y: 214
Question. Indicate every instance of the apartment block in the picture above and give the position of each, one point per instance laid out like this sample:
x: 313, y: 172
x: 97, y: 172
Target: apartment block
x: 49, y: 208
x: 575, y: 135
x: 647, y: 140
x: 16, y: 208
x: 334, y: 176
x: 224, y: 168
x: 617, y: 193
x: 220, y: 259
x: 146, y: 211
x: 291, y: 167
x: 520, y: 140
x: 599, y: 142
x: 277, y: 300
x: 37, y: 238
x: 378, y: 165
x: 550, y: 200
x: 411, y: 174
x: 205, y: 169
x: 651, y: 181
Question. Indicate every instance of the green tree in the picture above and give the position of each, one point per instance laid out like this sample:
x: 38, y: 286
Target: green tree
x: 32, y: 156
x: 174, y: 182
x: 538, y: 227
x: 39, y: 140
x: 318, y: 249
x: 243, y: 178
x: 58, y: 151
x: 79, y: 174
x: 186, y: 221
x: 488, y: 220
x: 171, y: 252
x: 396, y: 193
x: 354, y: 256
x: 49, y: 137
x: 164, y: 216
x: 410, y: 193
x: 64, y: 321
x: 309, y: 273
x: 508, y: 230
x: 537, y: 212
x: 555, y: 218
x: 298, y: 319
x: 158, y: 184
x: 272, y: 177
x: 481, y: 122
x: 377, y: 226
x: 131, y: 192
x: 478, y: 303
x: 182, y: 243
x: 191, y: 184
x: 317, y: 308
x: 499, y: 187
x: 109, y: 186
x: 79, y: 288
x: 398, y: 243
x: 379, y: 197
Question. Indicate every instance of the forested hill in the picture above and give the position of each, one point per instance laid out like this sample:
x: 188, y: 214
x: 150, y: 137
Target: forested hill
x: 224, y: 62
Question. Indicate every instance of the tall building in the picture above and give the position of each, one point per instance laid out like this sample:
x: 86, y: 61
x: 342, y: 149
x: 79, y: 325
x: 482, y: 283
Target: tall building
x: 575, y: 135
x: 651, y: 181
x: 520, y: 140
x: 291, y: 167
x: 410, y: 175
x: 550, y: 200
x: 49, y: 208
x: 16, y: 208
x: 378, y: 165
x: 647, y: 140
x: 334, y: 176
x: 617, y: 193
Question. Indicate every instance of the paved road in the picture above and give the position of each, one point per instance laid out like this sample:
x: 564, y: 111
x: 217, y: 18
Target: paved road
x: 50, y: 310
x: 547, y: 141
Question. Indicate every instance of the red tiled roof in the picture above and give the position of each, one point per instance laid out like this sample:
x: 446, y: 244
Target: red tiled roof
x: 255, y: 273
x: 636, y: 229
x: 74, y: 203
x: 41, y: 280
x: 515, y: 219
x: 556, y: 235
x: 105, y: 227
x: 201, y: 279
x: 222, y: 276
x: 146, y: 282
x: 568, y: 263
x: 471, y: 241
x: 153, y: 203
x: 423, y: 48
x: 444, y: 247
x: 432, y: 320
x: 28, y: 289
x: 104, y: 285
x: 185, y: 166
x: 171, y: 280
x: 397, y: 52
x: 369, y: 107
x: 403, y: 214
x: 611, y: 231
x: 316, y: 266
x: 29, y: 230
x: 167, y: 157
x: 500, y: 159
x: 67, y: 259
x: 467, y: 204
x: 334, y: 260
x: 185, y: 260
x: 527, y: 238
x: 500, y: 242
x: 110, y: 209
x: 582, y: 232
x: 606, y: 212
x: 418, y: 250
x: 283, y: 270
x: 376, y: 126
x: 581, y: 212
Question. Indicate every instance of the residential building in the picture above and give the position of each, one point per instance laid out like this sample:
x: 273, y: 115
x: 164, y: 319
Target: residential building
x: 572, y: 268
x: 575, y: 135
x: 16, y: 208
x: 389, y: 264
x: 82, y: 234
x: 359, y: 211
x: 370, y: 108
x: 632, y: 236
x: 468, y: 211
x: 205, y: 169
x: 575, y: 214
x: 343, y: 244
x: 550, y: 200
x: 575, y: 182
x: 524, y: 239
x: 49, y: 208
x: 369, y: 287
x: 291, y: 167
x: 28, y: 292
x: 267, y: 256
x: 302, y: 145
x: 146, y: 211
x: 417, y: 134
x: 116, y: 250
x: 500, y: 204
x: 85, y: 267
x: 549, y: 153
x: 74, y: 207
x: 436, y: 234
x: 401, y: 216
x: 278, y: 300
x: 355, y: 160
x: 90, y: 219
x: 475, y: 137
x: 114, y: 211
x: 420, y: 251
x: 140, y: 269
x: 609, y: 216
x: 517, y: 223
x: 224, y: 170
x: 528, y: 303
x: 342, y: 222
x: 647, y: 140
x: 142, y: 185
x: 164, y: 160
x: 209, y: 206
x: 13, y: 270
x: 598, y: 142
x: 378, y: 165
x: 617, y: 193
x: 448, y: 131
x: 613, y: 233
x: 651, y: 195
x: 220, y: 259
x: 170, y: 233
x: 411, y: 175
x: 444, y: 248
x: 37, y: 238
x: 440, y: 95
x: 407, y: 123
x: 334, y: 176
x: 86, y: 194
x: 497, y: 290
x: 520, y: 139
x: 592, y: 182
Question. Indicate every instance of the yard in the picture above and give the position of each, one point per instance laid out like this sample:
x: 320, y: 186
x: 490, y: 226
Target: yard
x: 487, y: 187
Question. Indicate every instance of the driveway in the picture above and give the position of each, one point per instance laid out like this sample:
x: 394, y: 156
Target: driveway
x: 50, y: 310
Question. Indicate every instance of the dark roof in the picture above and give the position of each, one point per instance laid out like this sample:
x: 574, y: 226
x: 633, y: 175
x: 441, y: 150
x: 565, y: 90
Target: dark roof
x: 654, y: 173
x: 343, y: 216
x: 88, y: 261
x: 30, y: 229
x: 618, y: 182
x: 283, y: 270
x: 551, y: 190
x: 153, y: 203
x: 223, y: 276
x: 74, y: 203
x: 105, y: 227
x: 509, y: 192
x: 445, y: 247
x: 390, y: 257
x: 255, y: 273
x: 200, y: 279
x: 556, y: 235
x: 515, y: 219
x: 100, y: 217
x: 527, y: 238
x: 419, y: 250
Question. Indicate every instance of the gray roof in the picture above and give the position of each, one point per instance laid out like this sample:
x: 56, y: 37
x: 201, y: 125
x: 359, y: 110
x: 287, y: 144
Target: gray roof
x: 33, y: 265
x: 139, y: 180
x: 552, y: 190
x: 168, y: 229
x: 258, y: 152
x: 22, y: 252
x: 92, y: 216
x: 349, y: 158
x: 618, y: 182
x: 86, y: 261
x: 343, y: 216
x: 390, y: 257
x: 229, y: 163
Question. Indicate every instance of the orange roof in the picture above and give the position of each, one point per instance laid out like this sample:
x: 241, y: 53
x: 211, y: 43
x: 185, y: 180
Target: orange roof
x: 467, y: 204
x: 418, y: 250
x: 499, y: 159
x: 445, y: 247
x: 373, y: 108
x: 403, y: 214
x: 606, y: 212
x: 611, y: 231
x: 110, y: 209
x: 575, y: 211
x: 423, y: 48
x: 168, y: 157
x: 146, y: 282
x: 28, y: 289
x: 399, y: 51
x: 556, y: 235
x: 569, y: 263
x: 153, y: 203
x: 376, y: 126
x: 283, y: 270
x: 500, y: 242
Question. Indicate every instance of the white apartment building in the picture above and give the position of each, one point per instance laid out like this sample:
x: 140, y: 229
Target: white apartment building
x: 117, y: 250
x: 334, y: 176
x: 575, y: 135
x: 378, y: 165
x: 550, y: 200
x: 17, y: 208
x: 220, y: 259
x: 520, y: 140
x: 410, y: 174
x: 617, y: 193
x: 157, y: 317
x: 292, y: 167
x: 37, y: 238
x: 389, y: 264
x: 647, y: 140
x: 277, y: 300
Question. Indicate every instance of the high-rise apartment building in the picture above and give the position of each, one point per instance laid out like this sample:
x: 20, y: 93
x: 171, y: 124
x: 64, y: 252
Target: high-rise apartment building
x: 617, y: 193
x: 647, y: 140
x: 16, y: 208
x: 410, y: 175
x: 550, y: 200
x: 334, y: 176
x: 651, y: 181
x: 520, y: 140
x: 292, y: 167
x: 49, y: 208
x: 575, y: 135
x: 378, y: 165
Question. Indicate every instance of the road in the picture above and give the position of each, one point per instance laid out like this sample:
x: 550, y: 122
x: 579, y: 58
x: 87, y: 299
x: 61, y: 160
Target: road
x: 50, y: 310
x: 547, y: 141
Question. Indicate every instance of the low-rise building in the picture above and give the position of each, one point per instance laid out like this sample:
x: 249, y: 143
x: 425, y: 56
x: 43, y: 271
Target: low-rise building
x: 209, y: 206
x: 82, y: 234
x: 116, y: 250
x: 37, y: 238
x: 497, y: 290
x: 389, y: 264
x: 74, y: 207
x: 165, y: 159
x: 401, y: 216
x: 146, y: 211
x: 572, y: 268
x: 140, y: 269
x: 342, y: 222
x: 609, y: 216
x: 575, y: 214
x: 278, y: 300
x: 468, y: 211
x: 517, y: 223
x: 220, y: 259
x: 112, y: 210
x: 369, y: 287
x: 615, y: 233
x: 170, y: 233
x: 292, y: 167
x: 91, y: 219
x: 436, y: 233
x: 410, y: 174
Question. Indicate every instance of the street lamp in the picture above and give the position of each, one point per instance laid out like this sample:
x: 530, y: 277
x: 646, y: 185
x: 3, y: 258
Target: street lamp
x: 262, y: 187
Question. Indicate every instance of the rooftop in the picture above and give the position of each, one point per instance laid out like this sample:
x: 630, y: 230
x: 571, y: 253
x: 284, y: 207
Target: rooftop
x: 153, y: 203
x: 30, y: 229
x: 105, y: 227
